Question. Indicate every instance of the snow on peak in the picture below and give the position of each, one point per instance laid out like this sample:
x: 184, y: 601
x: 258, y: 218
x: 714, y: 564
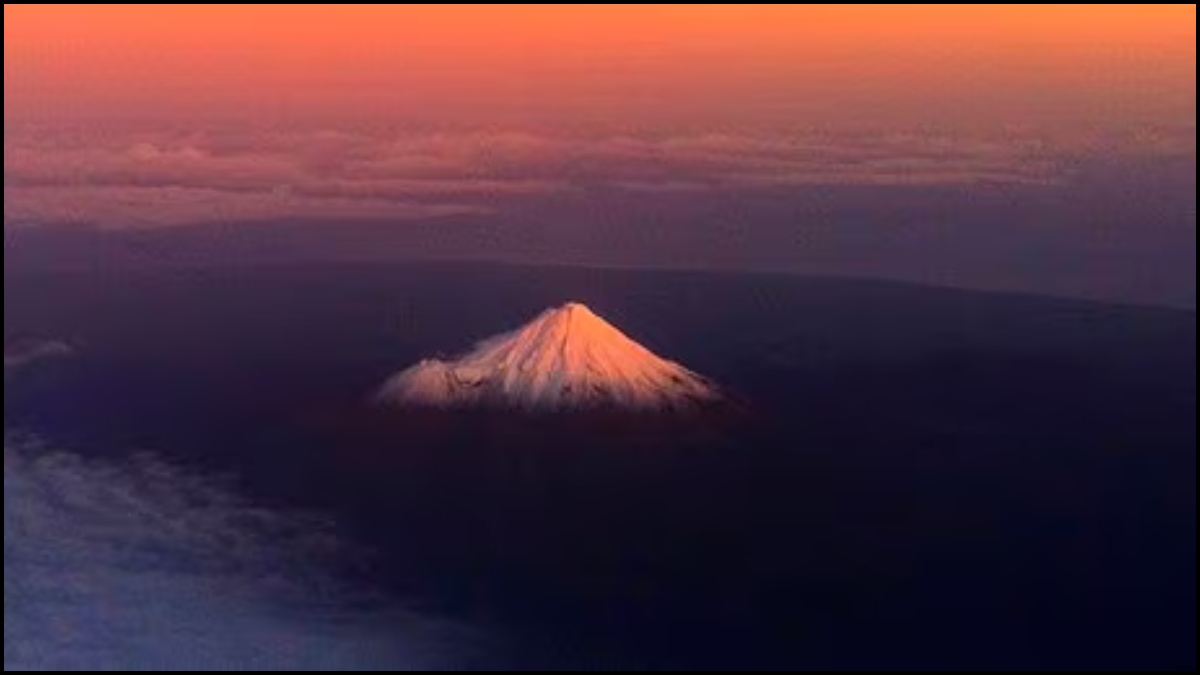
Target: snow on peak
x: 566, y: 358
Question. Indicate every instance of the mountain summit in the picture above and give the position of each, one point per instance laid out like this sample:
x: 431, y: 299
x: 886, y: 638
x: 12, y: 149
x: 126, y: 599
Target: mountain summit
x: 566, y: 358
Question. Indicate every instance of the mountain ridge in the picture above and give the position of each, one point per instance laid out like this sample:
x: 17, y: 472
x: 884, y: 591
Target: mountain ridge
x: 567, y: 358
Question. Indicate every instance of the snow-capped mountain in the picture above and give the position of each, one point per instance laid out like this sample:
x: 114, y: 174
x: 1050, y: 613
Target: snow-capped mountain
x: 566, y: 358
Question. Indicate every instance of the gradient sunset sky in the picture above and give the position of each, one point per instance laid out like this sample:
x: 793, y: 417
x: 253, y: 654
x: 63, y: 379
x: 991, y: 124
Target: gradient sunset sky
x: 624, y: 67
x: 129, y: 117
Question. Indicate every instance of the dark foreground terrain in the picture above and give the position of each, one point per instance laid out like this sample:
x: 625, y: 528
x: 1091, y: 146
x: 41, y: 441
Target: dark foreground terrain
x: 914, y: 477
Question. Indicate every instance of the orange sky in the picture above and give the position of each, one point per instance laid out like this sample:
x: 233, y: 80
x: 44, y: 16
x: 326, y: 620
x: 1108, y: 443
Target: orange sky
x: 630, y: 66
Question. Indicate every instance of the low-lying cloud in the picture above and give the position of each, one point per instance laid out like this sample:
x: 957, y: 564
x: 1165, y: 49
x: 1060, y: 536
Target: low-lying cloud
x: 136, y: 564
x: 20, y: 355
x: 158, y: 179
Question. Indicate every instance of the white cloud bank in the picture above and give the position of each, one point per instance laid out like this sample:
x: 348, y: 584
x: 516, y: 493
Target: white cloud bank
x: 139, y: 565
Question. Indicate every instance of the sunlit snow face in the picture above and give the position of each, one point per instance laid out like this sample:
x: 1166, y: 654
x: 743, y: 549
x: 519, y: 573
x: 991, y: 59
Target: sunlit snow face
x: 138, y: 565
x: 566, y: 358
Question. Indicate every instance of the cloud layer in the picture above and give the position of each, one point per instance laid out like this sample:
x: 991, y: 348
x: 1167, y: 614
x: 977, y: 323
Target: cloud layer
x: 18, y: 356
x: 135, y: 564
x: 159, y: 179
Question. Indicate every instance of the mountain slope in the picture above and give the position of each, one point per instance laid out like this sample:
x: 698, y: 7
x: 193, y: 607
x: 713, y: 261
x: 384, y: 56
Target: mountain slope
x: 566, y: 358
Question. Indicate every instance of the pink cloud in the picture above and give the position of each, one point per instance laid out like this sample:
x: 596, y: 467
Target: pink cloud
x: 166, y: 178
